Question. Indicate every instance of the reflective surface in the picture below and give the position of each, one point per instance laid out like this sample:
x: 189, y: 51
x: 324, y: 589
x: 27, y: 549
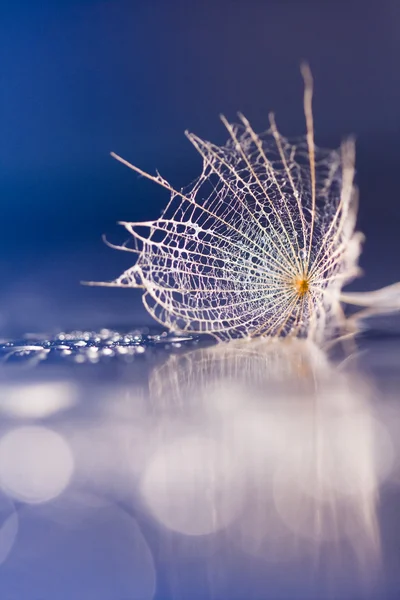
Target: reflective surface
x: 176, y: 468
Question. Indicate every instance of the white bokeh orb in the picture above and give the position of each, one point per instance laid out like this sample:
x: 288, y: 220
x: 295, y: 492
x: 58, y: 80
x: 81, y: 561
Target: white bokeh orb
x: 36, y: 464
x: 190, y: 486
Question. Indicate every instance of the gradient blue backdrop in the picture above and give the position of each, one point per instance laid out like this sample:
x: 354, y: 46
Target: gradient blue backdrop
x: 82, y: 78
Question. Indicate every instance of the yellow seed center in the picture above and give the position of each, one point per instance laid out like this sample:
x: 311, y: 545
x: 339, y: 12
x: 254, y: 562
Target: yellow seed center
x: 302, y: 286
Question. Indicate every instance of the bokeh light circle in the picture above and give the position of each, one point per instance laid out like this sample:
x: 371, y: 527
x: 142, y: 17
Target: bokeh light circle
x: 190, y: 486
x: 36, y: 464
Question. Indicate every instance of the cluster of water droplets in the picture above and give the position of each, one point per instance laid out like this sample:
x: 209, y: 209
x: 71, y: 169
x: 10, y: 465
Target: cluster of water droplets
x: 90, y: 346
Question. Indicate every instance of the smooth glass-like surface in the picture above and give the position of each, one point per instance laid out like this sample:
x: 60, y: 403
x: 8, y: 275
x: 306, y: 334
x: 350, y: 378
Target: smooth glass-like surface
x: 140, y: 466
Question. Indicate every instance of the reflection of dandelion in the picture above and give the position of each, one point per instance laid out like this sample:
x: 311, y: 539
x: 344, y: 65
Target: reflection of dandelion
x: 307, y: 453
x: 188, y: 486
x: 260, y: 244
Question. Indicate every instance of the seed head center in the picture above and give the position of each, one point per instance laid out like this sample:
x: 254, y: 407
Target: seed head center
x: 302, y: 286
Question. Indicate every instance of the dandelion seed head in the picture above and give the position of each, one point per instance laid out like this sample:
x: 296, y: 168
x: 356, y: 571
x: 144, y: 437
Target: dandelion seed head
x: 260, y: 244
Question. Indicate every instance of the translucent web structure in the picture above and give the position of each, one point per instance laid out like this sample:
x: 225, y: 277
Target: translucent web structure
x: 259, y: 245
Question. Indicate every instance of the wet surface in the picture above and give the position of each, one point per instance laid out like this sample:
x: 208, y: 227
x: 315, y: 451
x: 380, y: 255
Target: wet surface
x: 140, y: 465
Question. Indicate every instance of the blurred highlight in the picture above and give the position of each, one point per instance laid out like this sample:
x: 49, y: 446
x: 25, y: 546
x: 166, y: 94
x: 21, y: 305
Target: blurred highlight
x: 36, y: 464
x: 37, y: 400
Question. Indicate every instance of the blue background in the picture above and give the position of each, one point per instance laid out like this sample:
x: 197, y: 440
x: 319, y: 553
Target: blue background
x: 80, y: 79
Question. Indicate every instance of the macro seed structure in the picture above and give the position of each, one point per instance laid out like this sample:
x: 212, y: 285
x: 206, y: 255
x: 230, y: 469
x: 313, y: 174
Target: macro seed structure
x: 302, y: 286
x: 259, y: 245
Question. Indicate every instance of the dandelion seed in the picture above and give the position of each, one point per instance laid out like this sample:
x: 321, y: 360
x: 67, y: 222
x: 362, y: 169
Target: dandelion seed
x: 260, y: 244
